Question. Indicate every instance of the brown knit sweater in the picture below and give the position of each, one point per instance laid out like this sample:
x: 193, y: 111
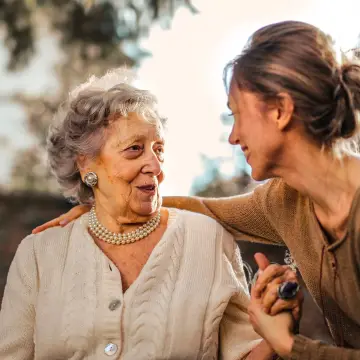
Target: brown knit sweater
x: 274, y: 213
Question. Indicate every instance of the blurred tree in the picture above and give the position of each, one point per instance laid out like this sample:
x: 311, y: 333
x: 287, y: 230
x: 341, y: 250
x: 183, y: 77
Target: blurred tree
x: 82, y: 23
x: 213, y: 182
x: 94, y: 36
x: 220, y: 187
x: 30, y: 171
x: 356, y: 50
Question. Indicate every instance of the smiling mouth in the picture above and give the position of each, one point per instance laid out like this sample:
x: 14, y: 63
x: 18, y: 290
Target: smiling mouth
x: 148, y: 189
x: 246, y: 153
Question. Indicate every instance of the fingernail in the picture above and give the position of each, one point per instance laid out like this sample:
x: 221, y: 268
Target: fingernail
x: 63, y: 222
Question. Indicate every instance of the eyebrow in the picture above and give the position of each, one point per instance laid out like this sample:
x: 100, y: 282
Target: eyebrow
x: 135, y: 138
x: 130, y: 140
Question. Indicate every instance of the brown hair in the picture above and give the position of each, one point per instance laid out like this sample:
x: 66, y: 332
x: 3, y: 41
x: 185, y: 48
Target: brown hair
x: 298, y: 58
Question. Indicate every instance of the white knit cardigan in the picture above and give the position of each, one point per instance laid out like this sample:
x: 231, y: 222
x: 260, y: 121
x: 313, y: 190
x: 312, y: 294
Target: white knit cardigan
x: 64, y: 300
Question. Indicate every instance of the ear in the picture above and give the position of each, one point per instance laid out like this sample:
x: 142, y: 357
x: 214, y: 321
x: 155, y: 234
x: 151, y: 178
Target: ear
x: 285, y: 111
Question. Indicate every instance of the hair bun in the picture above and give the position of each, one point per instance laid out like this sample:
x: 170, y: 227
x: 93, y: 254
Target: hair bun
x: 351, y: 77
x: 326, y: 96
x: 347, y: 95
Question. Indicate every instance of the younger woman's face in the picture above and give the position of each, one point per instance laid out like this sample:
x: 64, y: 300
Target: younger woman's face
x: 256, y: 131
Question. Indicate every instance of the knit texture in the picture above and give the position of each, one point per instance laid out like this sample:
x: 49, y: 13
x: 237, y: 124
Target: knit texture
x: 275, y: 213
x: 189, y: 301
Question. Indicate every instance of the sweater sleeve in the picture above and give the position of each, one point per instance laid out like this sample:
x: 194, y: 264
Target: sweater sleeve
x: 248, y: 217
x: 237, y: 336
x: 305, y: 348
x: 17, y: 315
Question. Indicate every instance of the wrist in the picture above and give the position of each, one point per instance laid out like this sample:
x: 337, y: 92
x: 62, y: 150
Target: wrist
x: 268, y: 350
x: 284, y: 347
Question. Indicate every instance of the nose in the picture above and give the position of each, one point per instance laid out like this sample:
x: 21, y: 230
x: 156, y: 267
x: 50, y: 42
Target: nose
x: 152, y: 165
x: 233, y: 137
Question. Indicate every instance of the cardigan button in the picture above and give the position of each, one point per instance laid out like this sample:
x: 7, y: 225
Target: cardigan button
x: 114, y: 305
x: 110, y: 349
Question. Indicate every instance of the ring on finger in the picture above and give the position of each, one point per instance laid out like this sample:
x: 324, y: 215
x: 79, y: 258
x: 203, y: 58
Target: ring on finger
x: 288, y: 290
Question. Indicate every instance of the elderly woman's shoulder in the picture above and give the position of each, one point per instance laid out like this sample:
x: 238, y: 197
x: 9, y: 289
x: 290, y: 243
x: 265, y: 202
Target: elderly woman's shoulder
x: 210, y: 229
x: 202, y: 223
x: 52, y: 239
x: 197, y: 219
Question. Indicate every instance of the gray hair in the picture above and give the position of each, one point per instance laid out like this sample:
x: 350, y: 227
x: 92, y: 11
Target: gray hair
x: 79, y: 126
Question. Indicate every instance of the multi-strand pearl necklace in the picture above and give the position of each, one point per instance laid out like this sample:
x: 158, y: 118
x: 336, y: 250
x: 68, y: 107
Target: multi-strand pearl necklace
x: 121, y: 239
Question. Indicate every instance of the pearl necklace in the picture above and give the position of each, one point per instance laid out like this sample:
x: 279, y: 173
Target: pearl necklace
x: 121, y: 239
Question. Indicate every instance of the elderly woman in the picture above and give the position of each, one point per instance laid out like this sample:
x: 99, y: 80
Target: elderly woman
x: 130, y: 279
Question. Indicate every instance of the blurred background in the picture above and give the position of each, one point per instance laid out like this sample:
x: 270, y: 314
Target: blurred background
x: 179, y: 48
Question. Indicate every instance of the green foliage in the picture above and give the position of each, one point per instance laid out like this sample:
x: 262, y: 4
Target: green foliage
x: 102, y: 23
x: 91, y: 35
x: 16, y: 18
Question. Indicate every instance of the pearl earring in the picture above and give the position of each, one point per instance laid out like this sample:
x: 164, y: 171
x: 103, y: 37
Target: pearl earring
x: 90, y: 179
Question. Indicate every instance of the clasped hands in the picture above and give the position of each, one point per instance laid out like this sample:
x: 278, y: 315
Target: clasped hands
x: 274, y: 319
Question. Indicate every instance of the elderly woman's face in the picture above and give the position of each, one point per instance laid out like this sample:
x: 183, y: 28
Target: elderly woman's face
x: 129, y: 166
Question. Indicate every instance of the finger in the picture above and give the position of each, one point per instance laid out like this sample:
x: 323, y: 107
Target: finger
x: 76, y: 212
x: 49, y: 224
x: 271, y: 272
x: 281, y: 305
x: 273, y: 283
x: 254, y: 298
x: 270, y: 296
x: 73, y: 214
x: 262, y: 261
x: 63, y: 219
x: 297, y: 310
x: 290, y: 275
x: 296, y: 313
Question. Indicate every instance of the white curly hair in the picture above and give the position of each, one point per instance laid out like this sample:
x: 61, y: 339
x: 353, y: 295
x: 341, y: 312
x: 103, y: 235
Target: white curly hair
x: 79, y: 125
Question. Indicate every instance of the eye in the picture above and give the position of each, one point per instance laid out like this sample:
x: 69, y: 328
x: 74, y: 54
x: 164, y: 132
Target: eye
x: 134, y: 148
x: 160, y: 152
x: 133, y: 151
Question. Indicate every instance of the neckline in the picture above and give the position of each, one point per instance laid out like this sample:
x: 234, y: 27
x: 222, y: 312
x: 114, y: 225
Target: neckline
x: 154, y: 256
x: 171, y: 222
x: 332, y: 245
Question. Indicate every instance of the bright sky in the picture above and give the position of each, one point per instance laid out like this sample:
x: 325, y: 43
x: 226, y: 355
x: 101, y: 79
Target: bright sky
x: 185, y: 72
